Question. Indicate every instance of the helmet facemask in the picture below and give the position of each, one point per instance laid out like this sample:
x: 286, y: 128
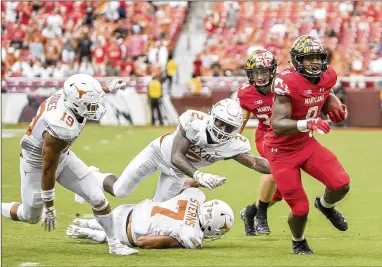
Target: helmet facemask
x: 222, y: 131
x: 307, y: 48
x: 261, y: 78
x: 91, y: 110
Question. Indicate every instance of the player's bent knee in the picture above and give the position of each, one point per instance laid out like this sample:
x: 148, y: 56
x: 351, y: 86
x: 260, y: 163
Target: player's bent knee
x: 31, y: 216
x: 301, y: 209
x: 119, y: 191
x: 345, y: 189
x: 340, y: 181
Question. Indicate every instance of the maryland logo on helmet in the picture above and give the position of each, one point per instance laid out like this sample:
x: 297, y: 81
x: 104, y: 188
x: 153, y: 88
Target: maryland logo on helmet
x: 260, y: 58
x: 307, y: 44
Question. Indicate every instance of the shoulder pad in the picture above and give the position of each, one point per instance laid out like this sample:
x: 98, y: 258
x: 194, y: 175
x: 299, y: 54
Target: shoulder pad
x: 61, y: 128
x: 241, y: 144
x: 193, y: 121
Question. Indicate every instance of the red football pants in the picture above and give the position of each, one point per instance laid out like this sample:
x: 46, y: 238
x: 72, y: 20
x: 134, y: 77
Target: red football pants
x: 259, y: 141
x: 314, y: 159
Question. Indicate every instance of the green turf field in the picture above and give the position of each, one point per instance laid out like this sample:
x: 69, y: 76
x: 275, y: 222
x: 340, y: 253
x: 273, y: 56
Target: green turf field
x: 111, y: 148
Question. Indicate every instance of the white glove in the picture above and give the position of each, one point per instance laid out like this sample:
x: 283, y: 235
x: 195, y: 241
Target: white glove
x: 116, y: 84
x: 209, y: 180
x: 49, y: 218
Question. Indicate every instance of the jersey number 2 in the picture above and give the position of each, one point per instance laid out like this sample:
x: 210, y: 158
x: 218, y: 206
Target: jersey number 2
x: 182, y: 204
x: 267, y: 120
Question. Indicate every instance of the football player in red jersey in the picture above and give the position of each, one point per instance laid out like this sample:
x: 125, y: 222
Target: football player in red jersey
x: 290, y: 146
x: 256, y: 97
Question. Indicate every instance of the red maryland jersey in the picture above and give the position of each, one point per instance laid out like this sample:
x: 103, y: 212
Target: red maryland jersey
x: 259, y: 105
x: 307, y: 100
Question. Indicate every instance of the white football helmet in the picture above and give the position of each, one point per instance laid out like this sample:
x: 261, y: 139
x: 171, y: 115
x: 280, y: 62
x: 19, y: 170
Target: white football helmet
x: 84, y: 95
x: 216, y: 219
x: 226, y: 119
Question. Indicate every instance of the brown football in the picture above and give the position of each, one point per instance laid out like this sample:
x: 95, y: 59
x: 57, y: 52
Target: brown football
x: 331, y: 103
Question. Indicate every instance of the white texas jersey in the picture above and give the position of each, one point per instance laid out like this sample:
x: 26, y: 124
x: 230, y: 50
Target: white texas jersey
x: 201, y: 153
x: 177, y: 217
x: 55, y: 118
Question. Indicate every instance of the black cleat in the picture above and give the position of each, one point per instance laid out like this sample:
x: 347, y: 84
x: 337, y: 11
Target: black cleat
x: 301, y: 248
x: 248, y: 223
x: 261, y: 226
x: 333, y: 215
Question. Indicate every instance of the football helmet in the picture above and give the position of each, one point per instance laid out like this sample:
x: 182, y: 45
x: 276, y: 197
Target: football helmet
x: 225, y: 121
x: 84, y: 95
x: 216, y: 219
x: 307, y: 45
x: 261, y: 68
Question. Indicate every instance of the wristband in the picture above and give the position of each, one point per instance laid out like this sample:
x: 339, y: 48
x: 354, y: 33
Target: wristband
x: 302, y: 126
x: 48, y: 195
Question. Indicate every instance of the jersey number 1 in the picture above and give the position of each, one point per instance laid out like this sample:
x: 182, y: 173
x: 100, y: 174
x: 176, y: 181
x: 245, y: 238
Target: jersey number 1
x: 182, y: 204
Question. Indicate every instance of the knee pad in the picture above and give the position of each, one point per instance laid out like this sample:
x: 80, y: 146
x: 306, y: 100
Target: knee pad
x: 297, y: 201
x: 29, y: 215
x: 300, y: 208
x: 99, y: 204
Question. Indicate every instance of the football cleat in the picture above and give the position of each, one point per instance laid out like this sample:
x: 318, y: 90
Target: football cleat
x: 81, y: 222
x: 333, y: 215
x: 117, y: 248
x: 301, y: 248
x: 249, y: 223
x: 261, y: 226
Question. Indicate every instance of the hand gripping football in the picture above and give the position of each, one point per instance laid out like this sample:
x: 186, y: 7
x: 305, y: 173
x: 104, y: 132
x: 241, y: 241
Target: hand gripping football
x: 334, y: 109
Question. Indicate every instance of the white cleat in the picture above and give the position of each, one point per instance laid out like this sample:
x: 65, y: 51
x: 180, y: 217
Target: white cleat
x: 120, y: 249
x: 76, y: 232
x: 81, y: 222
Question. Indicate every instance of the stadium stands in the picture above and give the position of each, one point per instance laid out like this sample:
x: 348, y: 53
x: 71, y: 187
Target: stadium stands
x: 351, y: 31
x: 57, y: 39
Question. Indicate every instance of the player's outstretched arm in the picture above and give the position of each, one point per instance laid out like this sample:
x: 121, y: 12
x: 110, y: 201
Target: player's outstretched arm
x: 178, y: 153
x: 115, y: 85
x: 259, y: 164
x: 157, y: 242
x: 179, y: 150
x: 246, y: 115
x: 51, y: 151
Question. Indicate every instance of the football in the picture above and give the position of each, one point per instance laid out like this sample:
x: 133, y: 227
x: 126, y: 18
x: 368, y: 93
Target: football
x: 331, y: 103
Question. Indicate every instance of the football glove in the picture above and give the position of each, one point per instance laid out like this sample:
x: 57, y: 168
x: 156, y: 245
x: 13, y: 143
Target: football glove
x: 49, y: 218
x: 338, y: 115
x: 209, y: 180
x: 115, y: 85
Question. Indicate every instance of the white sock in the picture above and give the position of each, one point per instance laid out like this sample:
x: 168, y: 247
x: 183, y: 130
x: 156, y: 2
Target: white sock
x: 326, y: 204
x: 298, y: 239
x: 6, y: 209
x: 108, y: 225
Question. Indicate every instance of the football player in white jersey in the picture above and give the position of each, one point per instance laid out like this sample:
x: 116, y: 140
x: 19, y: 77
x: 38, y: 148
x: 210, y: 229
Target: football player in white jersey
x: 45, y: 157
x: 199, y: 140
x: 180, y: 222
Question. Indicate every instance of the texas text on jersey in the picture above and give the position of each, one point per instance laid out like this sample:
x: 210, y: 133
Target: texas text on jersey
x: 54, y: 117
x: 202, y: 153
x: 258, y: 104
x: 307, y: 101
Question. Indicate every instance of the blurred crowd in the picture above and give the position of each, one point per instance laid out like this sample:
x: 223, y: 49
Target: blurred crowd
x: 116, y: 38
x: 351, y: 31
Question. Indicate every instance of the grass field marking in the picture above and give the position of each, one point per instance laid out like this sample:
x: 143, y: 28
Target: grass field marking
x: 29, y: 264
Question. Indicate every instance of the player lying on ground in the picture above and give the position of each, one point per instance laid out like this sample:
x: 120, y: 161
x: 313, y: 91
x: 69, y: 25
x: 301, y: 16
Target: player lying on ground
x: 200, y: 140
x: 256, y: 97
x: 301, y: 92
x: 46, y: 157
x: 180, y: 222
